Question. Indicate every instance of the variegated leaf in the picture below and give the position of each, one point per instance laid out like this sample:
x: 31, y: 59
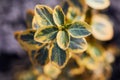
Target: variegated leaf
x: 72, y: 13
x: 102, y: 27
x: 29, y: 17
x: 78, y: 4
x: 96, y: 52
x: 77, y: 45
x: 58, y: 56
x: 58, y: 16
x: 26, y: 39
x: 51, y: 70
x: 41, y: 56
x: 79, y: 29
x: 98, y: 4
x: 35, y: 25
x: 63, y: 39
x: 46, y: 34
x: 43, y: 15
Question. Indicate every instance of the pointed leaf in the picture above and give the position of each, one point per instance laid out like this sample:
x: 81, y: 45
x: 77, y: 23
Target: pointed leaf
x: 98, y: 4
x: 46, y: 34
x: 58, y: 16
x: 26, y: 40
x: 77, y: 45
x: 63, y: 39
x: 79, y: 29
x: 58, y: 56
x: 41, y: 56
x: 43, y: 15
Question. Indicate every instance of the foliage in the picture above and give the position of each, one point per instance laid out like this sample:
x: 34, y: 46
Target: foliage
x: 58, y: 40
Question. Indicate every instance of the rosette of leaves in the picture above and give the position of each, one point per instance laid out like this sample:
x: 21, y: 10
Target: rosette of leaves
x: 52, y: 28
x: 98, y: 4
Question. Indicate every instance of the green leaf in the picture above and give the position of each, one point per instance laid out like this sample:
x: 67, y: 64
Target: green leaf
x: 46, y: 34
x: 58, y: 16
x: 58, y: 56
x: 41, y: 56
x: 63, y: 39
x: 79, y: 29
x: 43, y: 15
x: 26, y: 39
x: 98, y: 4
x: 77, y: 45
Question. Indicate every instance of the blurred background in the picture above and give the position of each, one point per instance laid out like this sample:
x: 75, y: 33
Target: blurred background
x: 13, y: 18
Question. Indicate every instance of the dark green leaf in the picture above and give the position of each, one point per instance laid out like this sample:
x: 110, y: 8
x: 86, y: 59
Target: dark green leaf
x: 63, y: 39
x: 43, y: 15
x: 58, y: 56
x: 59, y: 16
x: 79, y: 29
x: 41, y: 56
x: 46, y: 34
x: 26, y: 39
x: 77, y: 45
